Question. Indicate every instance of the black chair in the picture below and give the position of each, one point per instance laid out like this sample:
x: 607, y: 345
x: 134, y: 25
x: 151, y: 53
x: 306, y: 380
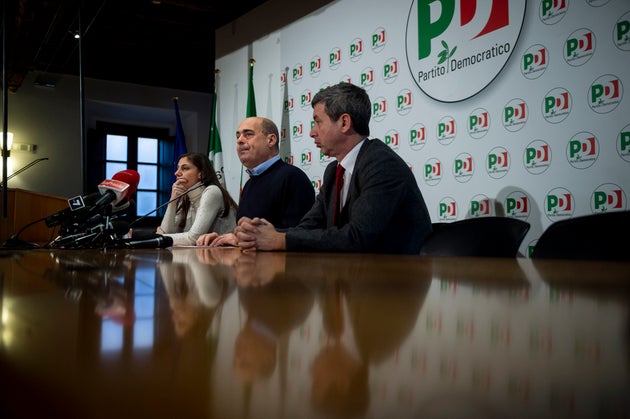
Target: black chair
x: 602, y: 236
x: 481, y: 237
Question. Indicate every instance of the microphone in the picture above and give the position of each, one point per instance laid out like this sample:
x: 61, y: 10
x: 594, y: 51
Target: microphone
x: 94, y: 233
x: 159, y: 242
x: 130, y: 177
x: 77, y: 206
x: 122, y: 185
x: 85, y: 222
x: 81, y: 207
x: 204, y: 183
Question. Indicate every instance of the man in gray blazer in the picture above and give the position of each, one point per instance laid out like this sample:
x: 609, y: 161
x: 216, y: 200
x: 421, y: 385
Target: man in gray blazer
x: 381, y: 208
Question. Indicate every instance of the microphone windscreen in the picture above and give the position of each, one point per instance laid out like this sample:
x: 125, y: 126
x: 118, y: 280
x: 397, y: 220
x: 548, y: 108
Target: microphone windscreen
x: 130, y: 177
x: 145, y: 235
x: 159, y: 242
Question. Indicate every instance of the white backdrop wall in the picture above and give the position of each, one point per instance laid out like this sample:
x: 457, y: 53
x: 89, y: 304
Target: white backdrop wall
x: 561, y: 153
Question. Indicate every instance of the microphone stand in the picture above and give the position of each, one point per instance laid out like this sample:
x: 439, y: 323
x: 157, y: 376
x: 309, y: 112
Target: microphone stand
x: 206, y: 183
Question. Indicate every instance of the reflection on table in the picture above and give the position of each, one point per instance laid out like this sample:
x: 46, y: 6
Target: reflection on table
x: 218, y: 333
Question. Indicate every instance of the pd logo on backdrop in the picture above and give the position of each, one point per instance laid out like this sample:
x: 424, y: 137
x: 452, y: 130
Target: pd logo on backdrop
x: 456, y: 48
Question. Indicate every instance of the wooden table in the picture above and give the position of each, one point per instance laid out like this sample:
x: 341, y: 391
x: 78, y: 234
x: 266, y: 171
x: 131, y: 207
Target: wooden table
x: 217, y: 333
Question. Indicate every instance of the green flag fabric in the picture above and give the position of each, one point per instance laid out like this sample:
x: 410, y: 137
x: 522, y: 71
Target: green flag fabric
x: 251, y: 106
x: 251, y: 98
x: 215, y: 151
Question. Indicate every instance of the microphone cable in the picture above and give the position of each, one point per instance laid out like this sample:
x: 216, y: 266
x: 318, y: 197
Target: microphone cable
x: 15, y: 243
x: 204, y: 183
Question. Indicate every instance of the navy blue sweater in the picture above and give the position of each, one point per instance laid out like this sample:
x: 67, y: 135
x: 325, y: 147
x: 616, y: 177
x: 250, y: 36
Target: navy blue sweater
x: 282, y: 194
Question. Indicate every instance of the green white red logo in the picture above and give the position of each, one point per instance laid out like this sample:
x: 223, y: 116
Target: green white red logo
x: 621, y: 33
x: 455, y: 49
x: 306, y: 158
x: 404, y: 102
x: 463, y: 167
x: 297, y: 130
x: 447, y: 209
x: 517, y: 205
x: 392, y: 139
x: 556, y: 105
x: 446, y: 130
x: 498, y: 162
x: 297, y: 73
x: 579, y: 47
x: 315, y: 66
x: 608, y: 197
x: 534, y: 61
x: 623, y: 143
x: 378, y: 39
x: 379, y: 109
x: 537, y: 157
x: 559, y: 203
x: 390, y: 70
x: 356, y: 49
x: 582, y: 150
x: 417, y: 136
x: 317, y: 183
x: 432, y: 171
x: 552, y: 11
x: 478, y: 123
x: 334, y: 58
x: 289, y: 104
x: 515, y: 115
x: 481, y: 206
x: 605, y: 93
x: 366, y: 78
x: 305, y: 99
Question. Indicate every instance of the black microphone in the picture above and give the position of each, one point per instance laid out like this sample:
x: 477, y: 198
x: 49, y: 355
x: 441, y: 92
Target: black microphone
x: 159, y: 242
x: 204, y: 183
x: 77, y: 208
x: 93, y: 234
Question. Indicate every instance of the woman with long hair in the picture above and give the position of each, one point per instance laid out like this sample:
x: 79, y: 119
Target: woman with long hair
x: 206, y: 208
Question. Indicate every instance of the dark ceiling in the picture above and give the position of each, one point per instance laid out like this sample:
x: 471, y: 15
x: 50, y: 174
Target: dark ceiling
x: 160, y: 43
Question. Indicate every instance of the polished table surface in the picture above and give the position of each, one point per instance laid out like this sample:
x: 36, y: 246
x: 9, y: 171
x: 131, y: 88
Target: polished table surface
x: 218, y: 333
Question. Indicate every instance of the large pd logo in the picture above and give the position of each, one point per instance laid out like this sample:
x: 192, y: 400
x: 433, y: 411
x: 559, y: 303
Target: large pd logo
x: 456, y: 48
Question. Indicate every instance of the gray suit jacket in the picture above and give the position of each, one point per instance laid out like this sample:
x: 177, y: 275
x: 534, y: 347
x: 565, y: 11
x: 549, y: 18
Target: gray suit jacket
x: 384, y: 211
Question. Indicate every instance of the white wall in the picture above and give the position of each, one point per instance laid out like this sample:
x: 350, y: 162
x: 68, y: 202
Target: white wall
x: 450, y: 198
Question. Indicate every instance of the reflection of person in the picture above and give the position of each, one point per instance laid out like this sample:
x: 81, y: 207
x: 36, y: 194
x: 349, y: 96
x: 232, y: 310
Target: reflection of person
x: 258, y: 269
x: 195, y: 289
x: 202, y: 210
x: 365, y: 321
x: 384, y: 211
x: 196, y: 293
x: 276, y: 191
x: 276, y: 303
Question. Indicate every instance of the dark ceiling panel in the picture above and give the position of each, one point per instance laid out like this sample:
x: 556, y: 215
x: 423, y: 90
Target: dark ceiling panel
x: 165, y: 43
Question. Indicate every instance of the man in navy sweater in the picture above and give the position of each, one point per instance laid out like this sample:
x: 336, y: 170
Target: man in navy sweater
x: 276, y: 191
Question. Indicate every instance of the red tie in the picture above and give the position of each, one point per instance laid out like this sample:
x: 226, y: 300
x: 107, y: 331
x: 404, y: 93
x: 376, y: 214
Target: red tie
x: 338, y: 189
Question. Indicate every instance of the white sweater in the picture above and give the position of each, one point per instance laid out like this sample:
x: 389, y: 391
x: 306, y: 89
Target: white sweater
x: 204, y: 216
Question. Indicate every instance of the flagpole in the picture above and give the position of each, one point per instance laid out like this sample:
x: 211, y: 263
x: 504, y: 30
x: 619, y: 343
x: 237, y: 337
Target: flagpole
x: 179, y: 147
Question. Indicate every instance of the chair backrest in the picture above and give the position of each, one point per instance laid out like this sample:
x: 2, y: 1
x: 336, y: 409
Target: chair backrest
x: 602, y: 236
x: 481, y: 236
